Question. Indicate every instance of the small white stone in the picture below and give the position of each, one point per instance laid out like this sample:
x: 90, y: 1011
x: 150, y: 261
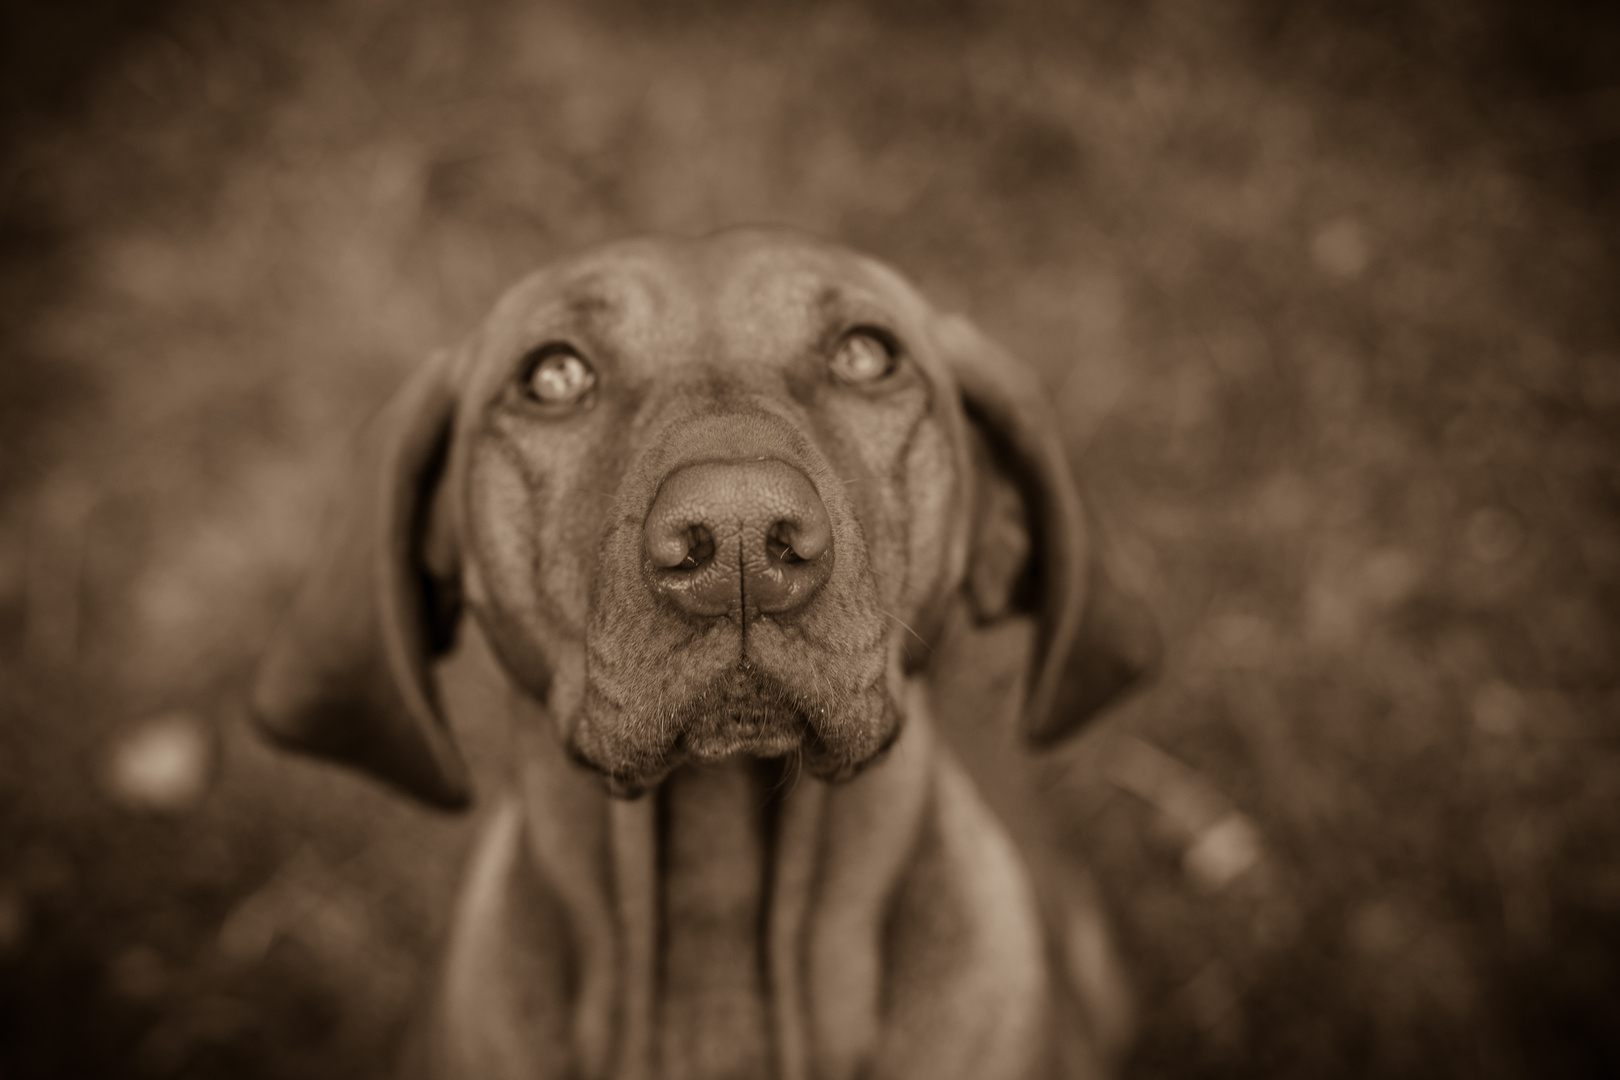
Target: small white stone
x: 163, y: 764
x: 1222, y: 852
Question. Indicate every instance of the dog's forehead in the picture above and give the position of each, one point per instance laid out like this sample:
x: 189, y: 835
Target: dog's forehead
x: 771, y: 288
x: 742, y: 295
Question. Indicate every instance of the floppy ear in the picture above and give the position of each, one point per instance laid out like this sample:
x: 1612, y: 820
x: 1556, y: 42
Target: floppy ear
x: 347, y: 673
x: 1030, y: 548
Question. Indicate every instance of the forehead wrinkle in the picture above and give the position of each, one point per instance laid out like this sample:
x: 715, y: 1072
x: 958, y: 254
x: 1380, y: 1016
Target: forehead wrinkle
x: 608, y: 300
x: 633, y: 307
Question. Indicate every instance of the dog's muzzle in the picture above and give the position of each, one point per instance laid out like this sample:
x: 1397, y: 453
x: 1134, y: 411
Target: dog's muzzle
x: 750, y: 629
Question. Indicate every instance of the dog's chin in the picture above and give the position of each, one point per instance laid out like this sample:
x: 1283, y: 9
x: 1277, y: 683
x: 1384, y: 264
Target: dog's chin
x: 744, y: 713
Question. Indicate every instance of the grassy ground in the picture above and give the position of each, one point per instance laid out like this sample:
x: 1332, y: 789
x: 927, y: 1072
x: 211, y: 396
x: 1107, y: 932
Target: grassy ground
x: 1328, y: 306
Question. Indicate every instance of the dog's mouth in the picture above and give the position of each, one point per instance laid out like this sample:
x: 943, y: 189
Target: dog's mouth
x: 741, y: 712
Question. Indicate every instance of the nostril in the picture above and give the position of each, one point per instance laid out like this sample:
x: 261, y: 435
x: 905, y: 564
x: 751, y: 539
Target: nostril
x: 699, y: 548
x: 779, y: 550
x: 791, y: 541
x: 680, y: 547
x: 808, y: 535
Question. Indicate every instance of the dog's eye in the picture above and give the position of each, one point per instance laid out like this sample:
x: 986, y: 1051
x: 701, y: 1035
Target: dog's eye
x: 559, y: 377
x: 862, y: 358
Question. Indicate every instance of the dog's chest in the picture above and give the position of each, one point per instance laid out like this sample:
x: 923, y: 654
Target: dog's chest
x: 710, y: 1015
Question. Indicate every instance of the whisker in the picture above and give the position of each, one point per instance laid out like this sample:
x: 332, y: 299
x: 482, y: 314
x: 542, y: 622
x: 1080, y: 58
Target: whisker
x: 829, y: 693
x: 907, y: 626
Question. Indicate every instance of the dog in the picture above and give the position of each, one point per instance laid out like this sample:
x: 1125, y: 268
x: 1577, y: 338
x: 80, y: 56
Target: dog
x: 717, y: 507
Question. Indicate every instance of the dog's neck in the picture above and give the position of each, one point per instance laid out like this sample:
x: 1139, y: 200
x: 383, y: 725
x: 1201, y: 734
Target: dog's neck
x: 715, y: 835
x: 695, y: 907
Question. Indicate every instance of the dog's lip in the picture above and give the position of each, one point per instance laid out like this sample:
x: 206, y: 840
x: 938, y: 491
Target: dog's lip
x: 761, y: 742
x: 805, y: 744
x: 629, y: 784
x: 711, y: 747
x: 741, y: 711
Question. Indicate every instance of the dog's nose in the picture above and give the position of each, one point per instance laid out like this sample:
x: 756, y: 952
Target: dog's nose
x: 731, y: 537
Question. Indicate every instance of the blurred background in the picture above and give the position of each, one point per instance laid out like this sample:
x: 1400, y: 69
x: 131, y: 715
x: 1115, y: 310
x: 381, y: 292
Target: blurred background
x: 1327, y: 297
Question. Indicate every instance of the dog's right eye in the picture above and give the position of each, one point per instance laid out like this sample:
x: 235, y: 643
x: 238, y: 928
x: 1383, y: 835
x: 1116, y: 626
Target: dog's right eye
x: 558, y: 376
x: 863, y: 358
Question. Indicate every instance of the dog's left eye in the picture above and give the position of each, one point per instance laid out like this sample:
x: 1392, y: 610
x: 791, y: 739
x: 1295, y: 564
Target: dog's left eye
x: 559, y: 377
x: 862, y: 358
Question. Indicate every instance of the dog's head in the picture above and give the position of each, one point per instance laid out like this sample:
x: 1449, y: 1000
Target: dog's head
x: 703, y: 498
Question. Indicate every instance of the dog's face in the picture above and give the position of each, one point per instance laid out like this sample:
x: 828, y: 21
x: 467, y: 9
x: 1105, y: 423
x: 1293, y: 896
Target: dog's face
x: 708, y: 486
x: 704, y: 498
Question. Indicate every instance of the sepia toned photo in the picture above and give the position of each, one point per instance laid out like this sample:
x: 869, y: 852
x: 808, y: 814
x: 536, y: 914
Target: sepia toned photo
x: 904, y: 540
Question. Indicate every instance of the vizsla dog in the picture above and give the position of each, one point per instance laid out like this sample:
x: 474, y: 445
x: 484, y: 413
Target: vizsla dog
x: 717, y: 506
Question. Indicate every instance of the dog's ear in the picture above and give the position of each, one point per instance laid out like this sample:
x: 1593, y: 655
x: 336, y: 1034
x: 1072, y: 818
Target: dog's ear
x: 1031, y: 551
x: 347, y: 673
